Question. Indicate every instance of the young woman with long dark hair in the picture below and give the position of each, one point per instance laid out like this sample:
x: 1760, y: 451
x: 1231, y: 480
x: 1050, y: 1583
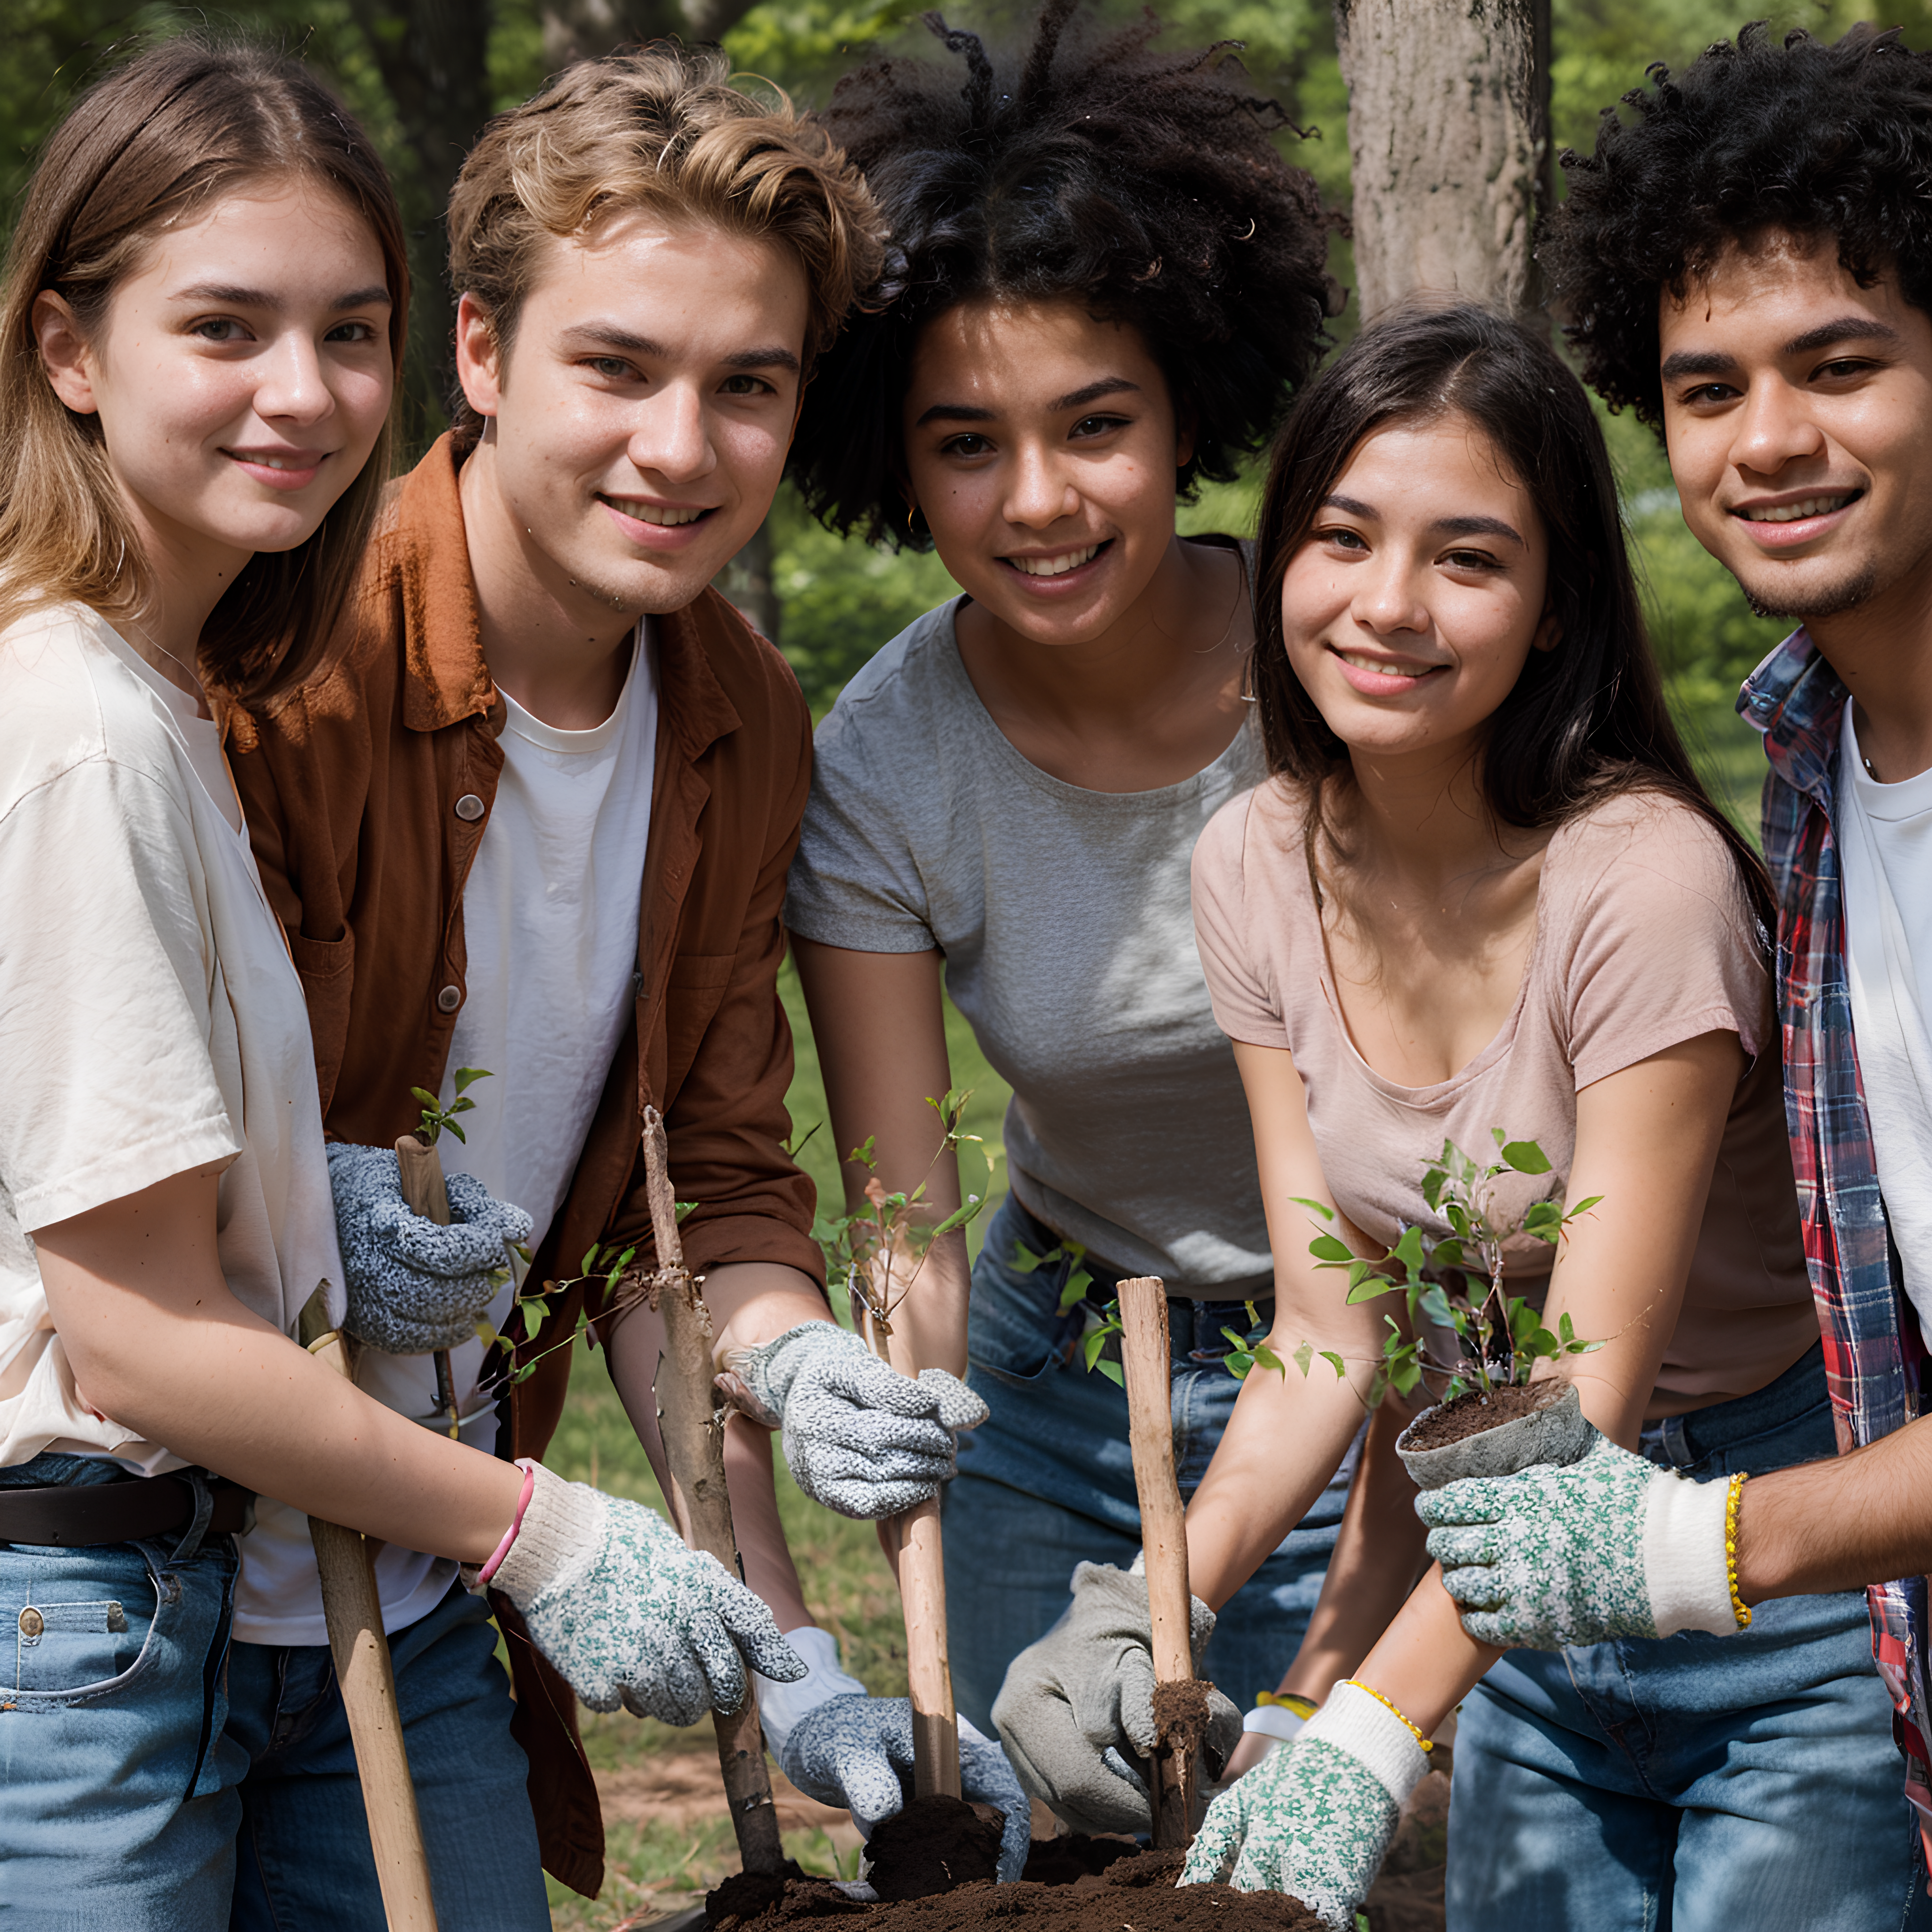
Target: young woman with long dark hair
x: 200, y: 328
x: 1108, y: 283
x: 1483, y: 889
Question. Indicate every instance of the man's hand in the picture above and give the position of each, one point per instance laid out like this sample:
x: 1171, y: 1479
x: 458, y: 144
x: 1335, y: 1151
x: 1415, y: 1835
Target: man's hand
x: 1076, y: 1702
x: 1315, y: 1818
x: 859, y: 1438
x: 415, y: 1286
x: 628, y: 1615
x: 1609, y: 1546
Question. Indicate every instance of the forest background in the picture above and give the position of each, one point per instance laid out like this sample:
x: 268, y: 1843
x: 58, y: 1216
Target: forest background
x: 424, y: 75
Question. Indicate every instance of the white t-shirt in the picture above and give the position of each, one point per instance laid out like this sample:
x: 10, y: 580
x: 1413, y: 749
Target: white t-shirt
x: 1884, y: 837
x: 150, y: 1022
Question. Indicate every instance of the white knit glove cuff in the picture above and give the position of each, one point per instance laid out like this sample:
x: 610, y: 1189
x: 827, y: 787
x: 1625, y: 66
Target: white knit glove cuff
x: 1373, y: 1735
x: 781, y: 1706
x: 1684, y: 1570
x: 562, y: 1531
x: 1275, y: 1720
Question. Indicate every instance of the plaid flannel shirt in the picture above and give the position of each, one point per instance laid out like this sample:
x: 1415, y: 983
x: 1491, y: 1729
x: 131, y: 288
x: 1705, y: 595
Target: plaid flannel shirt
x: 1874, y: 1351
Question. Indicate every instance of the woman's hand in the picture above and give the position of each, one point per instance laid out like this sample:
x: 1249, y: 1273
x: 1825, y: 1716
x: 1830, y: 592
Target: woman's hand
x: 1314, y: 1820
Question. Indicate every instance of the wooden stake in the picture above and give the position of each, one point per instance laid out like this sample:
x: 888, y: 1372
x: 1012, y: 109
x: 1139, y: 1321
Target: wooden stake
x: 346, y: 1560
x: 1146, y: 1352
x: 693, y: 1429
x: 935, y: 1723
x: 427, y: 1193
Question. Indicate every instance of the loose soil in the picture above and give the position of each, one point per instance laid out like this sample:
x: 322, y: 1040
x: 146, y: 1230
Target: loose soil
x: 1472, y: 1412
x: 1138, y: 1890
x: 931, y: 1846
x: 1180, y: 1714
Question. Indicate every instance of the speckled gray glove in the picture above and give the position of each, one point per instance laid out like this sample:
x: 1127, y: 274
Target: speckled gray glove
x: 1609, y: 1546
x: 843, y: 1747
x: 414, y: 1286
x: 1314, y: 1819
x: 859, y: 1438
x: 1075, y: 1702
x: 615, y: 1600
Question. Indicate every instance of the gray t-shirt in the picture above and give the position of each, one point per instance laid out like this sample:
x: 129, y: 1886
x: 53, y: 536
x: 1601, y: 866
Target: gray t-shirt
x: 1064, y: 919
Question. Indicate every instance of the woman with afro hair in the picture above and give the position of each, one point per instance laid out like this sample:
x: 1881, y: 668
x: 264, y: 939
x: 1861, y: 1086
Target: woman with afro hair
x: 1105, y: 283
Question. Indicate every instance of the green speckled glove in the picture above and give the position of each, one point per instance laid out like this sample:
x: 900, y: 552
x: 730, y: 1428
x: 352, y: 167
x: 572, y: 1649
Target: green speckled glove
x: 613, y: 1597
x: 1609, y: 1546
x: 1315, y: 1818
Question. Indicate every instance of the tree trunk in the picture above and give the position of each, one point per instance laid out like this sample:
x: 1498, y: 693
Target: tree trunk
x: 1449, y: 144
x: 747, y: 581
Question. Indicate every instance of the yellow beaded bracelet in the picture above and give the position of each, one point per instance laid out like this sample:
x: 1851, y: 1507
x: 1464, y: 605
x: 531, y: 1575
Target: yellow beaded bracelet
x: 1427, y: 1744
x: 1739, y: 1608
x: 1304, y: 1708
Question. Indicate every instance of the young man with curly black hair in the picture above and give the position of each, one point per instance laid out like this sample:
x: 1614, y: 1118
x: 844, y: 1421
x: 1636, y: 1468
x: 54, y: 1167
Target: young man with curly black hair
x: 1748, y: 265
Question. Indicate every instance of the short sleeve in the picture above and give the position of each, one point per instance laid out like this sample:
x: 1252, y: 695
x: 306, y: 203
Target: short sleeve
x: 1234, y: 963
x: 1664, y: 944
x: 106, y: 977
x: 856, y: 881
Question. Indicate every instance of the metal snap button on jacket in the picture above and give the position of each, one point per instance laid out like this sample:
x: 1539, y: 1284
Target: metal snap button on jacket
x: 449, y: 999
x: 469, y: 808
x: 32, y: 1623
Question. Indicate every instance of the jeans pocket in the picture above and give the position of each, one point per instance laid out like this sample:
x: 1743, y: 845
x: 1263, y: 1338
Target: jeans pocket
x: 76, y: 1628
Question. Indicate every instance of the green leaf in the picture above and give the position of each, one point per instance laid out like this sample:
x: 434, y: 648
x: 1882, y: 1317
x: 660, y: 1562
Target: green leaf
x: 1233, y: 1340
x: 1095, y: 1340
x: 1567, y: 1328
x: 456, y: 1130
x: 533, y: 1313
x: 1254, y: 1315
x: 1525, y: 1157
x: 1303, y: 1358
x: 1025, y: 1261
x: 1408, y: 1250
x: 1432, y: 1186
x: 1404, y: 1376
x: 1238, y: 1363
x: 1112, y: 1371
x: 589, y: 1260
x: 468, y: 1076
x: 1583, y: 1206
x: 1268, y: 1359
x: 1335, y: 1362
x: 1314, y: 1207
x: 863, y: 1154
x: 486, y: 1331
x: 423, y: 1094
x: 462, y: 1106
x: 1331, y: 1248
x: 1436, y: 1305
x: 1368, y: 1290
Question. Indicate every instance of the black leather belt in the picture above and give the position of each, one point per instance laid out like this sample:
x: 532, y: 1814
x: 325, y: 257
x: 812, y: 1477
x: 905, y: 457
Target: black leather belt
x: 82, y: 1514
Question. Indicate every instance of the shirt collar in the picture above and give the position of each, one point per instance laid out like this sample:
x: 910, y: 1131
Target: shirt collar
x: 1797, y: 701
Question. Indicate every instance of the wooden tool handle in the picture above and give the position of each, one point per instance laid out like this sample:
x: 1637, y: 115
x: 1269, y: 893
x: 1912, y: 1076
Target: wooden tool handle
x: 352, y: 1609
x: 691, y: 1427
x: 427, y: 1193
x: 1146, y: 1352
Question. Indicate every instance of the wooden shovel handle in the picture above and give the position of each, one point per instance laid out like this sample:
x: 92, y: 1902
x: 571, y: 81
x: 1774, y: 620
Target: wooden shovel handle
x: 345, y: 1560
x: 426, y: 1192
x: 1146, y: 1353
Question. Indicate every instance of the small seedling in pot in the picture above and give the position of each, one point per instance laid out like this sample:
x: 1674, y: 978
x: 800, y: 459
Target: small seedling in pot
x: 1453, y: 1285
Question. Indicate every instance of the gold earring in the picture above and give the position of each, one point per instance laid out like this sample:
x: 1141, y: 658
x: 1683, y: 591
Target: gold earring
x: 912, y: 511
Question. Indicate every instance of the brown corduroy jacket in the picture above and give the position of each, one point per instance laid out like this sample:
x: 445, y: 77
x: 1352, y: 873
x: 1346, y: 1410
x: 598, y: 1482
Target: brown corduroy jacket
x: 368, y: 789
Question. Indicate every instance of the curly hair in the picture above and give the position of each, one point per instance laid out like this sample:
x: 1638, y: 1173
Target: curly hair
x: 1756, y: 136
x: 1144, y: 184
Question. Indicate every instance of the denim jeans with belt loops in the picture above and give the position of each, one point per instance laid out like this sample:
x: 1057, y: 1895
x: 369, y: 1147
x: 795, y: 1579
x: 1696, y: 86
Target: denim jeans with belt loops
x: 140, y: 1747
x: 1047, y: 1481
x: 1746, y: 1783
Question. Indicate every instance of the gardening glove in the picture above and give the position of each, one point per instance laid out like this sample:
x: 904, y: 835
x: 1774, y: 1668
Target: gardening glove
x: 844, y: 1748
x: 1315, y: 1818
x: 615, y: 1600
x: 414, y: 1286
x: 1076, y: 1701
x: 1612, y: 1545
x: 859, y: 1437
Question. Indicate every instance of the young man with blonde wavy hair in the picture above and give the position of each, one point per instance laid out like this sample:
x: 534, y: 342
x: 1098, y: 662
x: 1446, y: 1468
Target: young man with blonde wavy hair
x: 536, y: 819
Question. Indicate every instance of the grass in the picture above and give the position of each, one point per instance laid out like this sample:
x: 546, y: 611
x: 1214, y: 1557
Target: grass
x: 653, y: 1864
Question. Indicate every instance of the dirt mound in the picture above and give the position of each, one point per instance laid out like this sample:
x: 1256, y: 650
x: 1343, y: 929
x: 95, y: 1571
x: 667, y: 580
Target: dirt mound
x: 932, y: 1846
x: 1138, y: 1889
x: 1472, y: 1412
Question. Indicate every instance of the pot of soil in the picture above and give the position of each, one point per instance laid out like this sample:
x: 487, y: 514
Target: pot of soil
x: 1510, y: 1429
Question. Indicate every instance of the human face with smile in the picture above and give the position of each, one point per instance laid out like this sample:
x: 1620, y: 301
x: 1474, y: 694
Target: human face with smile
x: 1041, y: 446
x: 240, y: 379
x: 1411, y: 606
x: 636, y: 426
x: 1798, y: 413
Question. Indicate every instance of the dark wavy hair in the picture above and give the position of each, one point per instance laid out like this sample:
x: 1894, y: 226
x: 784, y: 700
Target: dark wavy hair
x: 1144, y: 184
x: 1826, y: 142
x: 1584, y: 720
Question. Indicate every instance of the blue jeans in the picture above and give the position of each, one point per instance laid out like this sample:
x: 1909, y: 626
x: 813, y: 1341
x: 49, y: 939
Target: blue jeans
x: 1694, y: 1783
x: 1048, y: 1481
x: 120, y: 1805
x: 141, y: 1750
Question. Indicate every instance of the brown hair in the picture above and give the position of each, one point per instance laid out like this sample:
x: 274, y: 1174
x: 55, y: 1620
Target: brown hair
x: 151, y: 145
x: 658, y: 128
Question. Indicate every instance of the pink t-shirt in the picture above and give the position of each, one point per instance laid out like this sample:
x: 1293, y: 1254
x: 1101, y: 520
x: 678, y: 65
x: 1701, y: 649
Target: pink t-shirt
x: 1643, y: 940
